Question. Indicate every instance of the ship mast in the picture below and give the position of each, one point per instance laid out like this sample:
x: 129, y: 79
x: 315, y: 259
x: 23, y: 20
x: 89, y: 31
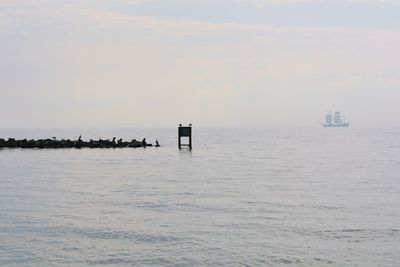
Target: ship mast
x: 336, y: 119
x: 328, y: 118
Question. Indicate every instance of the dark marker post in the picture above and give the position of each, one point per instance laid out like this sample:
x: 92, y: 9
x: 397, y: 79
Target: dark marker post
x: 185, y: 131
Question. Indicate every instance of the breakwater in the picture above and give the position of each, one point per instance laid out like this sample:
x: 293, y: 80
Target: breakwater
x: 67, y: 143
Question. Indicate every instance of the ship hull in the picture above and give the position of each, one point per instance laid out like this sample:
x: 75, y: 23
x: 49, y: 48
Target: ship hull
x: 336, y: 125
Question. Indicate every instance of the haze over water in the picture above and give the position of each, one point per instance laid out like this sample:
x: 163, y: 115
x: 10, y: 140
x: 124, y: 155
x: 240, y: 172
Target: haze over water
x: 241, y: 197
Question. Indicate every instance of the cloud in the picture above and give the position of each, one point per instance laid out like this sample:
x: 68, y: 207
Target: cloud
x: 193, y: 27
x: 95, y: 66
x: 264, y: 3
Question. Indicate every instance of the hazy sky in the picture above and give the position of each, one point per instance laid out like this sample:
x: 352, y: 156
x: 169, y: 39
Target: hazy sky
x: 127, y: 63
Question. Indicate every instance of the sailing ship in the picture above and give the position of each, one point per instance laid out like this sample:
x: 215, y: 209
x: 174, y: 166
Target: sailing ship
x: 335, y: 120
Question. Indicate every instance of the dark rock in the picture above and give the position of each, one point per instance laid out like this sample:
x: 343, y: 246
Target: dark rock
x: 53, y: 143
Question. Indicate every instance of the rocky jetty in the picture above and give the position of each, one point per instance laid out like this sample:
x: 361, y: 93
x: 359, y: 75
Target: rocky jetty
x: 53, y: 143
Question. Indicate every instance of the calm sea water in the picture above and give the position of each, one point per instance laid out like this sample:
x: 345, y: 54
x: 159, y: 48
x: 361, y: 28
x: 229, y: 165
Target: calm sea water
x: 241, y: 197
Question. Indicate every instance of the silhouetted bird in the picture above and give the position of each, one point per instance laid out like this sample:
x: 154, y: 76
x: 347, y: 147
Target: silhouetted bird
x: 180, y: 125
x: 157, y: 144
x: 80, y: 138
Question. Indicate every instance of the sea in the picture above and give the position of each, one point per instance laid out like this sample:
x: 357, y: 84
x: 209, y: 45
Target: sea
x: 294, y: 196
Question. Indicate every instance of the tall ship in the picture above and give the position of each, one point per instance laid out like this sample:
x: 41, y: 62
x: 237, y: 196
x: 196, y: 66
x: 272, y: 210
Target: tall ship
x: 335, y: 120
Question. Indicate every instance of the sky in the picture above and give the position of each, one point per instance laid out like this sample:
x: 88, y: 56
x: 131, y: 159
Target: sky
x: 213, y: 63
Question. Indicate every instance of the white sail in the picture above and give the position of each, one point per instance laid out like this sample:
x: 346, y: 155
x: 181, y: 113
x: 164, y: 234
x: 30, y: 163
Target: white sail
x: 328, y: 119
x: 334, y: 121
x: 336, y: 118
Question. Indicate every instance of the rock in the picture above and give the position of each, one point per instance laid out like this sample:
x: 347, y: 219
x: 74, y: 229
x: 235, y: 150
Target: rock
x: 53, y: 143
